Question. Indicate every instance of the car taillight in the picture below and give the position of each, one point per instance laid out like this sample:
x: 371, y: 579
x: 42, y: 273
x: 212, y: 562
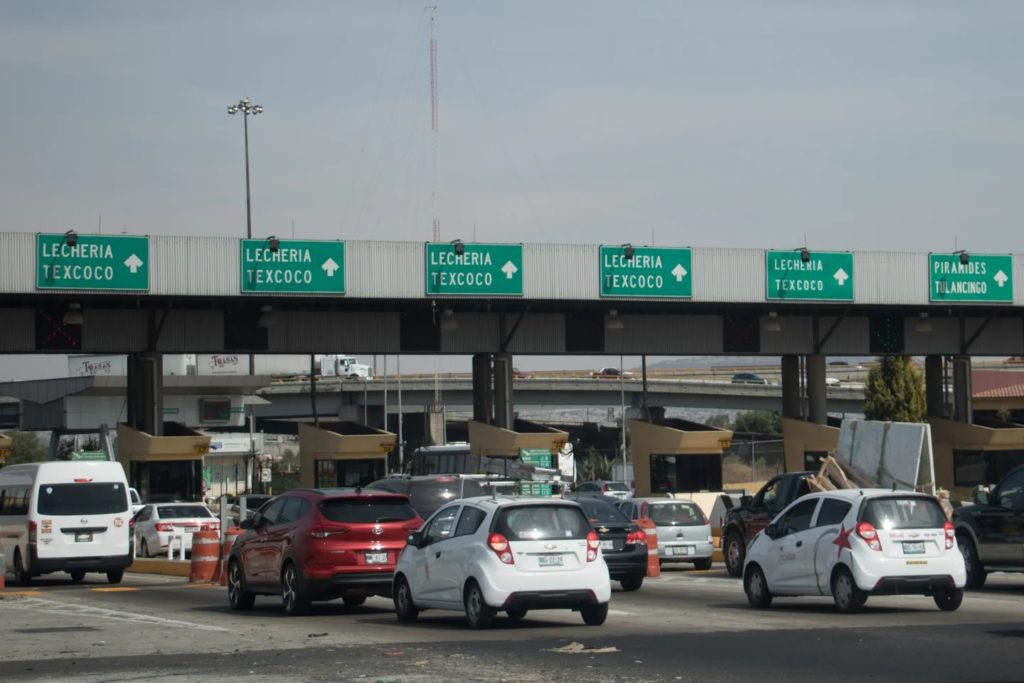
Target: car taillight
x: 499, y: 544
x: 593, y: 543
x: 164, y: 526
x: 31, y: 532
x: 604, y: 488
x: 950, y: 534
x: 131, y: 524
x: 326, y: 532
x: 866, y: 531
x: 636, y: 538
x: 212, y: 526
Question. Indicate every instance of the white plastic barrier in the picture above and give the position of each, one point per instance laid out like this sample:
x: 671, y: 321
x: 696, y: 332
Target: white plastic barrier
x: 178, y: 539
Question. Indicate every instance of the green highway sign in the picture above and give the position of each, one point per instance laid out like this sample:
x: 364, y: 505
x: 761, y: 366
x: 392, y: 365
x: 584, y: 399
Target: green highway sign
x: 295, y: 267
x: 823, y: 276
x: 481, y: 269
x: 646, y: 272
x: 92, y: 262
x: 973, y: 277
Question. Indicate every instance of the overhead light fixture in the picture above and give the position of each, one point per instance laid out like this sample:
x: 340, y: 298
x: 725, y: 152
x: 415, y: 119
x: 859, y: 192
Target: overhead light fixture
x: 273, y: 243
x: 923, y: 324
x: 71, y: 237
x: 772, y: 322
x: 448, y: 320
x: 460, y: 247
x: 265, y: 316
x: 73, y: 316
x: 628, y: 250
x: 965, y: 256
x: 613, y: 321
x: 805, y: 254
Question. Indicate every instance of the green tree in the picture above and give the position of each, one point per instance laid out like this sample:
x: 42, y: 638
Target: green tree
x: 758, y: 422
x: 25, y: 447
x: 895, y: 391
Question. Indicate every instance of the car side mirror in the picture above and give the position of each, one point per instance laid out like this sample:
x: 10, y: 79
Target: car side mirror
x: 415, y: 539
x: 982, y: 496
x: 245, y: 524
x: 746, y: 500
x: 771, y: 531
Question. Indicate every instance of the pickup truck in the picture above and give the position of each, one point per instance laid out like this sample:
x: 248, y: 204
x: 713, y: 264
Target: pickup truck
x: 990, y: 533
x: 754, y: 513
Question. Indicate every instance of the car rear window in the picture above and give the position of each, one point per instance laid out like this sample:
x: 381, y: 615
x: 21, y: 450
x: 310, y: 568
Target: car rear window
x: 676, y: 514
x: 903, y: 512
x: 183, y: 511
x: 599, y: 511
x: 366, y: 510
x: 538, y: 522
x: 615, y: 486
x: 82, y: 499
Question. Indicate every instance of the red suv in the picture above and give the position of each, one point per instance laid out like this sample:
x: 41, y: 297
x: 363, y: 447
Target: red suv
x: 313, y: 544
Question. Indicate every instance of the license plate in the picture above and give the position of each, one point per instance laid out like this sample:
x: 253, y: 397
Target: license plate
x: 376, y: 558
x: 549, y: 560
x: 606, y: 545
x: 682, y: 550
x: 913, y: 547
x: 83, y: 537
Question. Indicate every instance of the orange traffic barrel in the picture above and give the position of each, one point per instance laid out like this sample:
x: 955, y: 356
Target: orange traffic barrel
x: 205, y: 556
x: 229, y: 541
x: 653, y: 563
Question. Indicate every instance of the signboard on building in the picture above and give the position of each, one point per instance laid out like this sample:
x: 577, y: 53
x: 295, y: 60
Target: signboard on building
x: 985, y: 278
x: 801, y: 275
x: 92, y: 262
x: 663, y: 272
x: 293, y: 266
x: 474, y: 269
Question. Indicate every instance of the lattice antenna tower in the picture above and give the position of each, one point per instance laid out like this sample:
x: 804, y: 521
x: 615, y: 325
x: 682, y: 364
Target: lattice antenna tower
x: 434, y: 123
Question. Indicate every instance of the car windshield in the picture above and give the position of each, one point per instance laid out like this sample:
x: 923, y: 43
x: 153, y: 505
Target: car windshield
x: 539, y: 522
x: 366, y: 510
x: 183, y: 511
x: 599, y: 511
x: 82, y: 499
x: 903, y: 512
x: 615, y: 486
x: 676, y: 514
x: 427, y: 495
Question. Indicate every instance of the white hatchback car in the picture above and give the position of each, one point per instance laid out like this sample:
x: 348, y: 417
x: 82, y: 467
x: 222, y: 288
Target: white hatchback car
x: 486, y: 554
x: 853, y: 543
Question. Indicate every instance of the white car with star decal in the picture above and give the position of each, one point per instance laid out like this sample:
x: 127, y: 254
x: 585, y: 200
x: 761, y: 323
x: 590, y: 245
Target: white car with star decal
x: 853, y: 543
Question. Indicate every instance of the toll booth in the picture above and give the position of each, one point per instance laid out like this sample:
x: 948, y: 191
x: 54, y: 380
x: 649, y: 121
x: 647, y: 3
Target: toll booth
x: 5, y: 448
x: 339, y: 454
x: 676, y: 456
x: 806, y: 443
x: 488, y: 441
x: 967, y: 455
x: 164, y: 468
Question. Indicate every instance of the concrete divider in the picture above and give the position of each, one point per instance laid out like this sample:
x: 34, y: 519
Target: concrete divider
x: 161, y: 567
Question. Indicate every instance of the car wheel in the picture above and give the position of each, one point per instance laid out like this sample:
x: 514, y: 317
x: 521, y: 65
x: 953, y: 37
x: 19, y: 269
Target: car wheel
x: 948, y: 599
x: 976, y: 574
x: 353, y: 600
x: 405, y: 608
x: 143, y: 548
x: 632, y: 583
x: 77, y: 575
x: 845, y: 593
x: 594, y: 615
x: 756, y: 587
x: 703, y: 564
x: 238, y: 597
x: 293, y: 595
x: 516, y: 612
x: 115, y: 575
x: 479, y: 614
x: 22, y: 576
x: 735, y: 554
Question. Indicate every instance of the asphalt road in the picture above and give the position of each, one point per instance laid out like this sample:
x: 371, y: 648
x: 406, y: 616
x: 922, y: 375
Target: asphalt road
x: 684, y: 626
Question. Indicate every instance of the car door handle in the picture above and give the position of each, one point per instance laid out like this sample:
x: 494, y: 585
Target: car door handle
x: 437, y: 554
x: 799, y: 544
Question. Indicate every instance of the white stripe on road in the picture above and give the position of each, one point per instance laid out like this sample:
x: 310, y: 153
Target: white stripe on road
x: 69, y: 609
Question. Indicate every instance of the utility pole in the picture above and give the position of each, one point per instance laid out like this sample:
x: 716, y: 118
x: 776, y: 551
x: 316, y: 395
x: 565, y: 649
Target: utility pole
x: 434, y: 122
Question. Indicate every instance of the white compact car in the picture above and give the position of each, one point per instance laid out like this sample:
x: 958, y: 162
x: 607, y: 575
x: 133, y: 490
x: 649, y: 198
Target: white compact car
x: 853, y: 543
x: 683, y: 531
x: 156, y: 524
x: 490, y: 554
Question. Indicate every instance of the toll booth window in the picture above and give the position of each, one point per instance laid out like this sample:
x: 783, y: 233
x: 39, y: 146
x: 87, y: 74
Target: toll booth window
x: 682, y: 473
x: 214, y: 409
x: 974, y: 467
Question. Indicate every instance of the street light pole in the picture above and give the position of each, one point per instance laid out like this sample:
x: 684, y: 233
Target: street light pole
x: 248, y: 109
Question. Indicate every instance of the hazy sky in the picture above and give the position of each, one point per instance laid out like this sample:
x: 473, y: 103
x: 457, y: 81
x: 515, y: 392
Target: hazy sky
x: 860, y: 125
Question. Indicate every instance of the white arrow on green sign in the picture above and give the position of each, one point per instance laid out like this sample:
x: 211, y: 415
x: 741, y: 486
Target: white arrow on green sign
x: 824, y: 276
x: 974, y: 277
x: 95, y: 262
x: 481, y: 269
x: 295, y: 267
x: 647, y: 272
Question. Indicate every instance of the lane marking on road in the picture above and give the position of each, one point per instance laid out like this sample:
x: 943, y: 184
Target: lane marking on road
x: 116, y: 589
x: 65, y: 609
x: 620, y: 613
x: 20, y: 594
x: 199, y: 585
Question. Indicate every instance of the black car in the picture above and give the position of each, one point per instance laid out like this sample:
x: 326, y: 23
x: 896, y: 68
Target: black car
x: 989, y: 533
x: 623, y: 543
x: 748, y: 378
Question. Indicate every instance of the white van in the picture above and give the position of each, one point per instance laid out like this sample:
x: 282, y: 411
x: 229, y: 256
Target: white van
x: 65, y: 516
